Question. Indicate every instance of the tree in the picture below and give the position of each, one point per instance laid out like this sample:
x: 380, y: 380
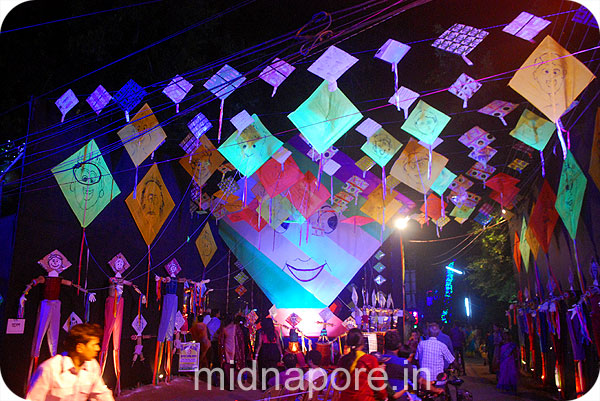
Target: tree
x: 490, y: 264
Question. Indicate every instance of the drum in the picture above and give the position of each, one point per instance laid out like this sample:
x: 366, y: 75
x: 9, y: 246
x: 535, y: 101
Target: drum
x: 325, y: 351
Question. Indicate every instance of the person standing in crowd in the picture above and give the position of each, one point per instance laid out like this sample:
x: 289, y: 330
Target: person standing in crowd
x: 497, y: 338
x: 489, y: 347
x: 200, y: 335
x: 269, y: 350
x: 74, y: 375
x: 231, y: 348
x: 458, y: 340
x: 367, y: 367
x: 508, y: 357
x: 213, y: 325
x: 240, y: 321
x: 433, y: 354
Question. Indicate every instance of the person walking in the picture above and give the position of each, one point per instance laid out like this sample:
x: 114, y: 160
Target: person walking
x: 508, y: 371
x: 432, y: 354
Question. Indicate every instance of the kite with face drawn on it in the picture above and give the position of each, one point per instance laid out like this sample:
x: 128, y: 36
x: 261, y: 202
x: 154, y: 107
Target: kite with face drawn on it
x: 411, y: 167
x: 152, y: 205
x: 425, y: 122
x: 143, y: 136
x: 86, y: 183
x: 203, y: 162
x: 551, y: 78
x: 381, y: 147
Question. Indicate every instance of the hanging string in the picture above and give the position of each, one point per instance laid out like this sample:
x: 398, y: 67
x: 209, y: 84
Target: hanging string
x: 80, y: 257
x: 148, y: 279
x: 220, y: 121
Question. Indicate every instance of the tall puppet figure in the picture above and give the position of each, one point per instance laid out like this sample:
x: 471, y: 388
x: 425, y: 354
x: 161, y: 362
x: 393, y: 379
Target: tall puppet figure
x: 48, y: 318
x: 167, y: 319
x: 113, y: 314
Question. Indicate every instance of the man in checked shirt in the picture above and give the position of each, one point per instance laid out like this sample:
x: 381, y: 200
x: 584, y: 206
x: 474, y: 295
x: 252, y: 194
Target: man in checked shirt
x: 74, y: 375
x: 432, y: 353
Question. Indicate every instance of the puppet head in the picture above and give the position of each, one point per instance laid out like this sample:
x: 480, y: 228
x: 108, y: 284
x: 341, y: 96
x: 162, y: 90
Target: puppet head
x: 54, y: 263
x: 119, y: 264
x: 173, y: 268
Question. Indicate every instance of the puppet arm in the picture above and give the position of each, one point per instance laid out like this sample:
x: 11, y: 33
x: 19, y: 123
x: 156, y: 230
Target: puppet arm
x: 136, y: 289
x: 91, y: 295
x: 33, y: 283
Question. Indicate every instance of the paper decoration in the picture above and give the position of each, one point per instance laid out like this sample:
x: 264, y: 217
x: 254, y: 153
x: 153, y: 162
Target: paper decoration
x: 281, y: 155
x: 412, y: 165
x: 152, y: 205
x: 442, y: 221
x: 533, y: 130
x: 199, y: 125
x: 173, y: 268
x: 358, y: 220
x: 524, y: 245
x: 461, y: 182
x: 526, y: 26
x: 242, y: 120
x: 544, y: 217
x: 326, y: 314
x: 483, y: 155
x: 501, y: 182
x: 203, y: 162
x: 480, y: 171
x: 179, y: 321
x: 66, y: 102
x: 277, y: 178
x: 119, y: 263
x: 177, y: 89
x: 379, y: 267
x: 464, y: 88
x: 462, y: 197
x: 483, y: 219
x: 71, y: 321
x: 403, y: 99
x: 365, y: 163
x: 324, y: 117
x: 224, y: 82
x: 498, y: 108
x: 594, y: 169
x: 99, y: 99
x: 517, y: 252
x: 143, y: 136
x: 506, y: 197
x: 293, y: 319
x: 433, y: 145
x: 584, y: 16
x: 550, y: 80
x: 518, y: 165
x: 569, y: 197
x: 380, y: 254
x: 486, y: 208
x: 433, y: 207
x: 460, y: 220
x: 275, y: 73
x: 380, y: 279
x: 138, y: 324
x: 462, y: 212
x: 86, y: 183
x: 392, y: 51
x: 206, y: 245
x: 421, y: 218
x: 368, y: 127
x: 476, y: 138
x: 251, y: 148
x: 331, y: 65
x: 374, y: 206
x: 129, y: 96
x: 54, y: 261
x: 241, y: 277
x: 443, y: 181
x: 240, y: 290
x: 276, y: 210
x: 425, y: 122
x: 460, y: 39
x: 306, y: 197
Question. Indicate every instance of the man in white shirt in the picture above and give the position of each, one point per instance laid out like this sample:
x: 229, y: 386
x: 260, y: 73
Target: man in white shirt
x: 74, y: 375
x: 432, y: 354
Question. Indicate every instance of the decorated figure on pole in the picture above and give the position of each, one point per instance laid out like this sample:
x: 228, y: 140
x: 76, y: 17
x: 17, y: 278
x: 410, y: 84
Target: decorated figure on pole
x: 48, y: 318
x: 113, y: 314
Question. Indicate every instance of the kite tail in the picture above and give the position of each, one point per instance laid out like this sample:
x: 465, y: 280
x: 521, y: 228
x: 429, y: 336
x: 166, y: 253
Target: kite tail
x: 220, y: 121
x: 136, y: 181
x: 148, y: 278
x: 80, y: 257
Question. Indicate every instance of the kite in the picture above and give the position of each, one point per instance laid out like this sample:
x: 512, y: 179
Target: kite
x: 460, y: 182
x: 278, y: 177
x: 66, y: 102
x: 242, y: 120
x: 199, y: 125
x: 153, y: 206
x: 534, y: 245
x: 433, y: 207
x: 518, y: 165
x: 275, y: 73
x: 498, y: 108
x: 143, y: 136
x: 403, y: 99
x: 276, y: 210
x: 462, y: 212
x: 381, y: 147
x: 476, y: 138
x: 251, y: 148
x: 524, y: 246
x: 517, y: 252
x: 324, y: 117
x: 306, y: 196
x: 411, y: 167
x: 206, y: 245
x: 534, y: 131
x: 331, y: 65
x: 483, y: 155
x: 425, y: 122
x: 464, y: 88
x: 203, y: 162
x: 378, y: 208
x: 222, y: 84
x: 365, y: 163
x: 480, y: 171
x: 460, y: 39
x: 99, y: 99
x: 570, y: 193
x: 551, y: 78
x: 526, y: 26
x: 483, y: 219
x: 177, y: 89
x: 443, y: 181
x: 129, y: 96
x: 392, y: 52
x: 86, y: 183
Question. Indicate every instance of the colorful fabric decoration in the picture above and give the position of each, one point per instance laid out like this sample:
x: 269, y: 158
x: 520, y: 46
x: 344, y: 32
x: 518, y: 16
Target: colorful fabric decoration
x: 498, y: 108
x: 331, y: 65
x: 526, y: 26
x: 99, y: 99
x: 381, y: 147
x: 206, y: 245
x: 570, y: 193
x: 66, y: 102
x: 464, y: 88
x: 86, y: 183
x: 403, y: 99
x: 476, y: 138
x: 550, y: 79
x: 143, y: 136
x: 412, y: 165
x: 177, y: 89
x: 480, y: 171
x: 153, y: 205
x: 199, y: 125
x: 443, y: 181
x: 203, y: 162
x: 129, y: 96
x: 425, y: 122
x: 325, y: 117
x: 460, y: 39
x: 251, y: 148
x: 275, y: 73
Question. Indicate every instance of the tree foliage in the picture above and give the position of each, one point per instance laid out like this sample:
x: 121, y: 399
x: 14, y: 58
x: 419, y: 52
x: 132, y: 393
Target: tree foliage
x: 490, y: 265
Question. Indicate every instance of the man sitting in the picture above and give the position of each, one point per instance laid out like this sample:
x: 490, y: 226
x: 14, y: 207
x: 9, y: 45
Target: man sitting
x: 314, y: 370
x: 291, y: 374
x: 397, y: 367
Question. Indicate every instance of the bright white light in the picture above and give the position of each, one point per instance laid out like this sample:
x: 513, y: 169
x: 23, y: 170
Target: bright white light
x: 452, y: 269
x: 468, y: 306
x: 402, y: 222
x: 503, y: 211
